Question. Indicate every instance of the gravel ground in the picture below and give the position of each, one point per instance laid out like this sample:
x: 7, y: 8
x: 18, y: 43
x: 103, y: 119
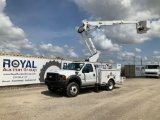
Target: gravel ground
x: 135, y: 99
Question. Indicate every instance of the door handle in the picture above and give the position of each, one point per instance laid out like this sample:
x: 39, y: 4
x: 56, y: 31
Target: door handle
x: 93, y: 74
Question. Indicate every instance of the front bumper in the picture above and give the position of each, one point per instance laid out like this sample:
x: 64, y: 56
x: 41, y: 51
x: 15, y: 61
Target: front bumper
x: 56, y: 84
x: 152, y: 75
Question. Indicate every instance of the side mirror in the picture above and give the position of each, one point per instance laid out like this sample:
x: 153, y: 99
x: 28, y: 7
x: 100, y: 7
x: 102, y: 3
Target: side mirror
x: 78, y: 69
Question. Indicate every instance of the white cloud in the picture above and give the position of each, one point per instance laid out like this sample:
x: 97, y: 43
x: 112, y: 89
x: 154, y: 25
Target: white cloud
x: 128, y: 54
x: 12, y: 38
x: 126, y: 3
x: 69, y: 52
x: 104, y: 44
x: 156, y: 55
x: 2, y: 5
x: 125, y: 55
x: 144, y: 15
x: 130, y: 57
x: 137, y: 50
x: 145, y: 58
x: 157, y: 58
x: 57, y: 51
x: 138, y: 57
x: 111, y: 61
x: 105, y: 9
x: 51, y: 49
x: 156, y: 52
x: 155, y: 29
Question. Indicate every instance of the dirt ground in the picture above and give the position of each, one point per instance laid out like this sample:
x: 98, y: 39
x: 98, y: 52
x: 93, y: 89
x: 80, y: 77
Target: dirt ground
x: 135, y: 99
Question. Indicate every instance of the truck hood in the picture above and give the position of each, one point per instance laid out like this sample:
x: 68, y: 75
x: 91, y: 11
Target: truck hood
x: 65, y: 72
x: 152, y: 70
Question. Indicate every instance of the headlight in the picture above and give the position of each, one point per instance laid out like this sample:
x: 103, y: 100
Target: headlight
x: 62, y: 77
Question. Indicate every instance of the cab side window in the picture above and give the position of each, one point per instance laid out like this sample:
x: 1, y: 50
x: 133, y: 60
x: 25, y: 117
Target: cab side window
x: 88, y: 68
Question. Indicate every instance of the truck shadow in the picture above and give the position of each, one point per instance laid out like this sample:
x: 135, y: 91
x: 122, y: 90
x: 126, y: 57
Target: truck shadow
x: 59, y: 93
x: 154, y: 77
x: 116, y: 87
x: 62, y: 93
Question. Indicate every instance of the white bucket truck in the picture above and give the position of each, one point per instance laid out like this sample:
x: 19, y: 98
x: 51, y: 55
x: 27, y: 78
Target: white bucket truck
x: 89, y: 73
x: 84, y: 74
x: 152, y: 69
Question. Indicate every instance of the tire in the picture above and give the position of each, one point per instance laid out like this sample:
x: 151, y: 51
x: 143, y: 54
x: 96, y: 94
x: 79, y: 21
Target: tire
x: 110, y: 85
x: 51, y: 89
x: 72, y: 89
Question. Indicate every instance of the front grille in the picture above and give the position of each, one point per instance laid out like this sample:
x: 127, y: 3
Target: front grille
x: 53, y: 76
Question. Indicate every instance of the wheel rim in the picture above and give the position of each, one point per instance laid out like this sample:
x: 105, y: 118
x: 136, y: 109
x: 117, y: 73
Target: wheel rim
x: 73, y: 90
x: 110, y: 85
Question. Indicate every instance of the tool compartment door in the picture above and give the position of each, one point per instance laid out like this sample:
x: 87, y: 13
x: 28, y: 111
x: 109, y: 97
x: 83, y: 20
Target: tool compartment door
x: 106, y: 75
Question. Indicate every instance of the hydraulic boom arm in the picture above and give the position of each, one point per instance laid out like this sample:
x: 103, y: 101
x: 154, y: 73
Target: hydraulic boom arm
x: 141, y: 26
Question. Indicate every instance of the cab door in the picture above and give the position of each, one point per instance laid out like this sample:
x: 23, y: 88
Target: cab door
x: 88, y: 75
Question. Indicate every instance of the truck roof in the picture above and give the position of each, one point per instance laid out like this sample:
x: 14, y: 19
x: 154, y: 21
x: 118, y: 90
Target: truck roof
x: 153, y: 63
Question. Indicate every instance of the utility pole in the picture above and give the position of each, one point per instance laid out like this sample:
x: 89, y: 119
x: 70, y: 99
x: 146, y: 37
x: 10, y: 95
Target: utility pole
x: 134, y: 60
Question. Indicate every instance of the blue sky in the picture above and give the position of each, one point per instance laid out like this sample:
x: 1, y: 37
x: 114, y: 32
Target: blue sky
x: 49, y: 28
x: 46, y: 21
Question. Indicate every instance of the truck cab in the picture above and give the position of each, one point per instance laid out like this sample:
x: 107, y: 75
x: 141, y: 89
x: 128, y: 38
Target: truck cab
x: 152, y: 70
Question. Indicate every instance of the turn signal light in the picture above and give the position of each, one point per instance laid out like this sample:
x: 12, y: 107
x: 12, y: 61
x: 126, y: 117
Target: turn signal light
x: 62, y: 77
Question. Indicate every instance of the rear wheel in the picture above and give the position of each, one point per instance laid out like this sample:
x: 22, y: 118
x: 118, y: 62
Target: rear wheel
x: 51, y: 89
x: 110, y: 85
x: 72, y: 89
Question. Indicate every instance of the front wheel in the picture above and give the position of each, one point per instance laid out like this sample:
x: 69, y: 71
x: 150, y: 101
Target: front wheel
x: 110, y: 85
x: 72, y: 89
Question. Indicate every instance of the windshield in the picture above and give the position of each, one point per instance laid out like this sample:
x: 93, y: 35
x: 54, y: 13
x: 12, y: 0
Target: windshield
x: 75, y: 66
x: 152, y: 66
